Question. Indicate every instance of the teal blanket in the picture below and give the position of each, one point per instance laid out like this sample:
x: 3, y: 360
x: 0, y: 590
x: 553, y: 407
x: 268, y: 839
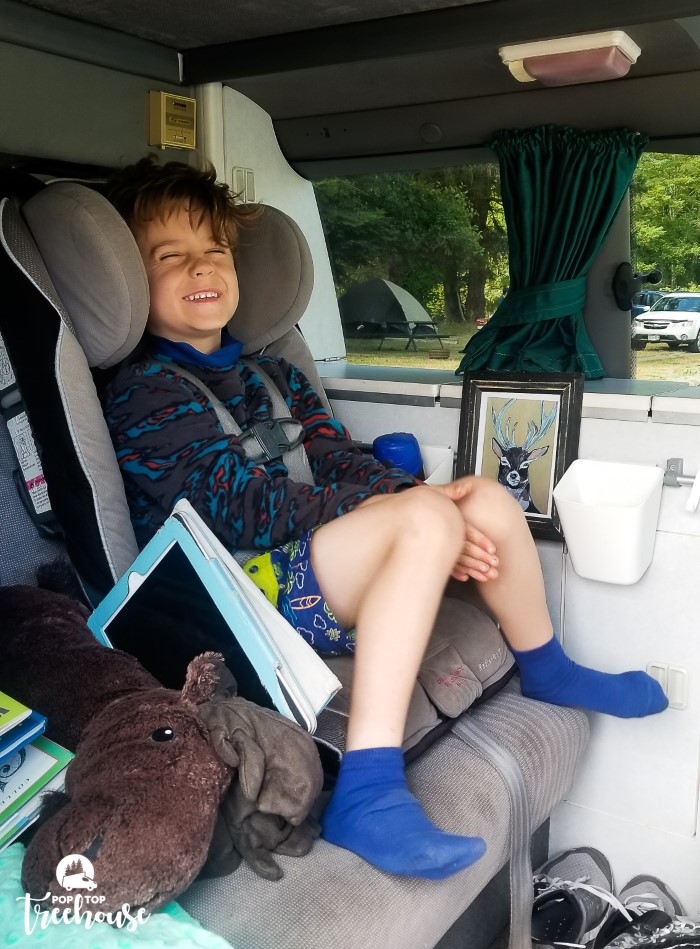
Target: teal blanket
x: 170, y: 928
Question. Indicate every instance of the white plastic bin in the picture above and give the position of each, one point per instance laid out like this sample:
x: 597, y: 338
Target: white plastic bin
x: 609, y: 513
x: 438, y: 463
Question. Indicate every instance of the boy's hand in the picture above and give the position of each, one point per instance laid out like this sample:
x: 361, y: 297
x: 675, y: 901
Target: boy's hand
x: 477, y: 558
x: 455, y: 490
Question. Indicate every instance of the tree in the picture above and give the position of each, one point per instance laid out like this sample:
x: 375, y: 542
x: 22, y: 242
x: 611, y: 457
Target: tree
x: 432, y: 232
x: 665, y: 206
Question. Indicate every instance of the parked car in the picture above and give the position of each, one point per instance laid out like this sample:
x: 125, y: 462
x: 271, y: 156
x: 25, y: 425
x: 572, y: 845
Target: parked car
x: 645, y: 300
x: 674, y: 319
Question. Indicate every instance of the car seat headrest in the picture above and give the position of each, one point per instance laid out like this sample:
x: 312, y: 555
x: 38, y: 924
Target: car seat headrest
x: 275, y: 276
x: 95, y: 265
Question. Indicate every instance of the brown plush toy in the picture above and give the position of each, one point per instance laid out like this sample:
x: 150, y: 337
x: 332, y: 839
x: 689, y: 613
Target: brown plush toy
x: 143, y: 792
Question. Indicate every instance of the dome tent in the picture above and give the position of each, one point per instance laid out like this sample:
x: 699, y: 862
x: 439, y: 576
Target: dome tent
x: 379, y: 308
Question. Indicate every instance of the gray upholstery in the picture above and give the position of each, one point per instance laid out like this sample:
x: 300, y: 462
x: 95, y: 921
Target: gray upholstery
x: 95, y: 266
x: 80, y: 403
x: 332, y: 898
x: 275, y: 276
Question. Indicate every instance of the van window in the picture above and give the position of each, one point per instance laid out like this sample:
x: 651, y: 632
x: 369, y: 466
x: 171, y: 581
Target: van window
x: 665, y: 210
x: 419, y: 261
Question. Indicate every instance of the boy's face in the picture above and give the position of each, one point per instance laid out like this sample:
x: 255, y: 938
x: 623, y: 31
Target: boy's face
x: 192, y: 279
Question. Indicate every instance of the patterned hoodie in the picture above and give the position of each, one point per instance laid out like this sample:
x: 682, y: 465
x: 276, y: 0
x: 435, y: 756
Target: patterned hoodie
x: 170, y: 445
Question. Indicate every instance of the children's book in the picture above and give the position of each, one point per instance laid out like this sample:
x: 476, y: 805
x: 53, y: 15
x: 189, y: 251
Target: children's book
x: 28, y: 729
x: 12, y: 712
x: 25, y: 816
x: 185, y: 594
x: 22, y: 779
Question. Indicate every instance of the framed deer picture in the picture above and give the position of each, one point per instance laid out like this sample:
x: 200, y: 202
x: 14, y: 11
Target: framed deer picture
x: 522, y: 430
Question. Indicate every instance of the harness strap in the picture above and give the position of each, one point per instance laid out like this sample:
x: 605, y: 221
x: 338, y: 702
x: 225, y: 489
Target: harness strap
x: 520, y: 865
x: 280, y: 437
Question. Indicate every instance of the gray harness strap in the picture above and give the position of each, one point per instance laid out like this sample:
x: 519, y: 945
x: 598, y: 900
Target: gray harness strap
x: 520, y: 866
x: 282, y: 437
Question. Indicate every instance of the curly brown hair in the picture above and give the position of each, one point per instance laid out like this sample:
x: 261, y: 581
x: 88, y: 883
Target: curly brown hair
x: 148, y: 190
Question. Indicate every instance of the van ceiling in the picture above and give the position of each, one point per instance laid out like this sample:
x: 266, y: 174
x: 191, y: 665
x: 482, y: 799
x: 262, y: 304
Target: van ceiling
x: 371, y: 63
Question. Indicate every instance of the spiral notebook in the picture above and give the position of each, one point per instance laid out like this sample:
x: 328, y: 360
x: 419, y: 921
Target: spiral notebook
x: 185, y: 594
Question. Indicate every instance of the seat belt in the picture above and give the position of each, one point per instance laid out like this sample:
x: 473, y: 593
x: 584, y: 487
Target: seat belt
x: 280, y: 437
x: 29, y: 475
x: 521, y: 894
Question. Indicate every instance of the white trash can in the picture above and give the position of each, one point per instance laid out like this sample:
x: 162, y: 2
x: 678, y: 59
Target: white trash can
x: 609, y: 511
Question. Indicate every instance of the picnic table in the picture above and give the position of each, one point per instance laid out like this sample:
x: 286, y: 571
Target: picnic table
x: 411, y: 331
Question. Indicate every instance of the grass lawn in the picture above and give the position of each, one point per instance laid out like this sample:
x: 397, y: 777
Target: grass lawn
x: 394, y: 352
x: 656, y: 362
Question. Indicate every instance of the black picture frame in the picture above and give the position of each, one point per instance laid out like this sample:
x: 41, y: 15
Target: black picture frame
x: 505, y: 419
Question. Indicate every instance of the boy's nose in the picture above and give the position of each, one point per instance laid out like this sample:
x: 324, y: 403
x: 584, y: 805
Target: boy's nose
x: 201, y: 267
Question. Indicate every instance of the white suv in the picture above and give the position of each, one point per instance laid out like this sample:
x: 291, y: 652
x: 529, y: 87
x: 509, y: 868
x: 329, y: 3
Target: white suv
x: 674, y: 319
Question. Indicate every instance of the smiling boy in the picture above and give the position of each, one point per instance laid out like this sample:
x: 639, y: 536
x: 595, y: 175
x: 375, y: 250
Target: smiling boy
x: 372, y: 545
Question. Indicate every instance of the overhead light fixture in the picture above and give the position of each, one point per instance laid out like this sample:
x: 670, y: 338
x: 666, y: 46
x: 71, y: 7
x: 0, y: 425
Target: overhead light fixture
x: 568, y: 60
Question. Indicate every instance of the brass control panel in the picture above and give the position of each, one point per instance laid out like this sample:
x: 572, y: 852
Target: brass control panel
x: 172, y: 120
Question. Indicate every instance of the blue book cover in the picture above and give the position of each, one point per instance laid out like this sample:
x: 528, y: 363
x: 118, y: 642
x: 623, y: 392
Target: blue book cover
x: 28, y: 729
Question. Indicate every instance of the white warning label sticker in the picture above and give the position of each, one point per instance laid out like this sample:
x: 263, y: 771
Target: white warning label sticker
x: 28, y: 457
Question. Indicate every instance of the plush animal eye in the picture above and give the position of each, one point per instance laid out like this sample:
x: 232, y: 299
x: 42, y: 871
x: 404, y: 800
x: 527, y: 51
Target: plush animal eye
x: 163, y: 734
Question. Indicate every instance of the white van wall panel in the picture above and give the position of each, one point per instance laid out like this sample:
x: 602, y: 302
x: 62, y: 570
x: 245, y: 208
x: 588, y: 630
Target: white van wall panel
x: 250, y: 142
x: 651, y: 764
x: 649, y: 443
x: 58, y: 108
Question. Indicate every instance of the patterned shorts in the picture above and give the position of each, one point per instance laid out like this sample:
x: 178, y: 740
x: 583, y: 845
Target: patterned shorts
x: 287, y: 579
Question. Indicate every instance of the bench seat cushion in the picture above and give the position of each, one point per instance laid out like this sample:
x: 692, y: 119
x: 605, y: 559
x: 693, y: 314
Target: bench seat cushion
x: 333, y: 898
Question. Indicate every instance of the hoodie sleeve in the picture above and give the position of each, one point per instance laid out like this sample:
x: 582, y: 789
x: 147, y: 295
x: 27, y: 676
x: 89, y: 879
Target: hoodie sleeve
x: 169, y: 445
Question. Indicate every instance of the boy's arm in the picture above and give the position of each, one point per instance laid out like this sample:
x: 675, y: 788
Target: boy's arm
x: 169, y: 446
x: 331, y: 452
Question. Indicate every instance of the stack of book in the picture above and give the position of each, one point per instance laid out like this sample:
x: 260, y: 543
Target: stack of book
x: 30, y: 765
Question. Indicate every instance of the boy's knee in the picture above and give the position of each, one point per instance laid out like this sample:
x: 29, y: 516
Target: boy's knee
x: 432, y: 515
x: 492, y: 509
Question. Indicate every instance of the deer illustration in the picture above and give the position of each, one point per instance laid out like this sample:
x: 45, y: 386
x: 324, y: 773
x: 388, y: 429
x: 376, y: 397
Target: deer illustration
x: 515, y: 460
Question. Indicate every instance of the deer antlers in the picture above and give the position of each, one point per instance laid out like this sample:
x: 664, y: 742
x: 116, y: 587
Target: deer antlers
x: 506, y: 437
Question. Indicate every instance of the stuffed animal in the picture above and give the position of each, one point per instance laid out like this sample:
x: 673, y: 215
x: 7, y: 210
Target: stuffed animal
x: 143, y: 792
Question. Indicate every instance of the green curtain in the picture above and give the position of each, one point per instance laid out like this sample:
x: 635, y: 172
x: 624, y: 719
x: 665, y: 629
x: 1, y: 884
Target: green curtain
x: 561, y: 189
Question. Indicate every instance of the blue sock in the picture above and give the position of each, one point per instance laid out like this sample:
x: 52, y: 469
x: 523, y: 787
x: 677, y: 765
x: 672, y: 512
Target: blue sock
x: 547, y: 674
x: 373, y: 814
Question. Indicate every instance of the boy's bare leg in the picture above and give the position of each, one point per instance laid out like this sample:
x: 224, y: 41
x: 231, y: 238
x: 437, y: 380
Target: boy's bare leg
x: 513, y: 589
x: 383, y: 569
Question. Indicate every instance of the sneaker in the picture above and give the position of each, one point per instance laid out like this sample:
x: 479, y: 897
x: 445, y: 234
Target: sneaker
x: 646, y: 904
x: 674, y: 934
x: 573, y: 898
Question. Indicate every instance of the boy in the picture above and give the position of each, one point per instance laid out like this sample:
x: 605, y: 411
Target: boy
x: 373, y: 546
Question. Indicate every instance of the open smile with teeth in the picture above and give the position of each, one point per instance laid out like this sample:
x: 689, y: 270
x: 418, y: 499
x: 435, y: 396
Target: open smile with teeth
x: 204, y: 295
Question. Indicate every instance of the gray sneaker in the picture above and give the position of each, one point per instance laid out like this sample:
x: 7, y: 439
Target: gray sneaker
x: 573, y: 898
x: 650, y: 915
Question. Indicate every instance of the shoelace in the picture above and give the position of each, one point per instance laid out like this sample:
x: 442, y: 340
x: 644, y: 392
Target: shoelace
x: 642, y: 903
x: 552, y: 884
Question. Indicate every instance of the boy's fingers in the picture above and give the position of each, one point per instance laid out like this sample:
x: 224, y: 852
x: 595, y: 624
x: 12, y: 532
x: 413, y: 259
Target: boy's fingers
x: 462, y: 573
x: 475, y: 567
x: 476, y: 537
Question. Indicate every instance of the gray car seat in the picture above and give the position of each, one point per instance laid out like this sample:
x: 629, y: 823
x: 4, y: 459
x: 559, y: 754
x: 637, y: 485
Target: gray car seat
x: 506, y: 765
